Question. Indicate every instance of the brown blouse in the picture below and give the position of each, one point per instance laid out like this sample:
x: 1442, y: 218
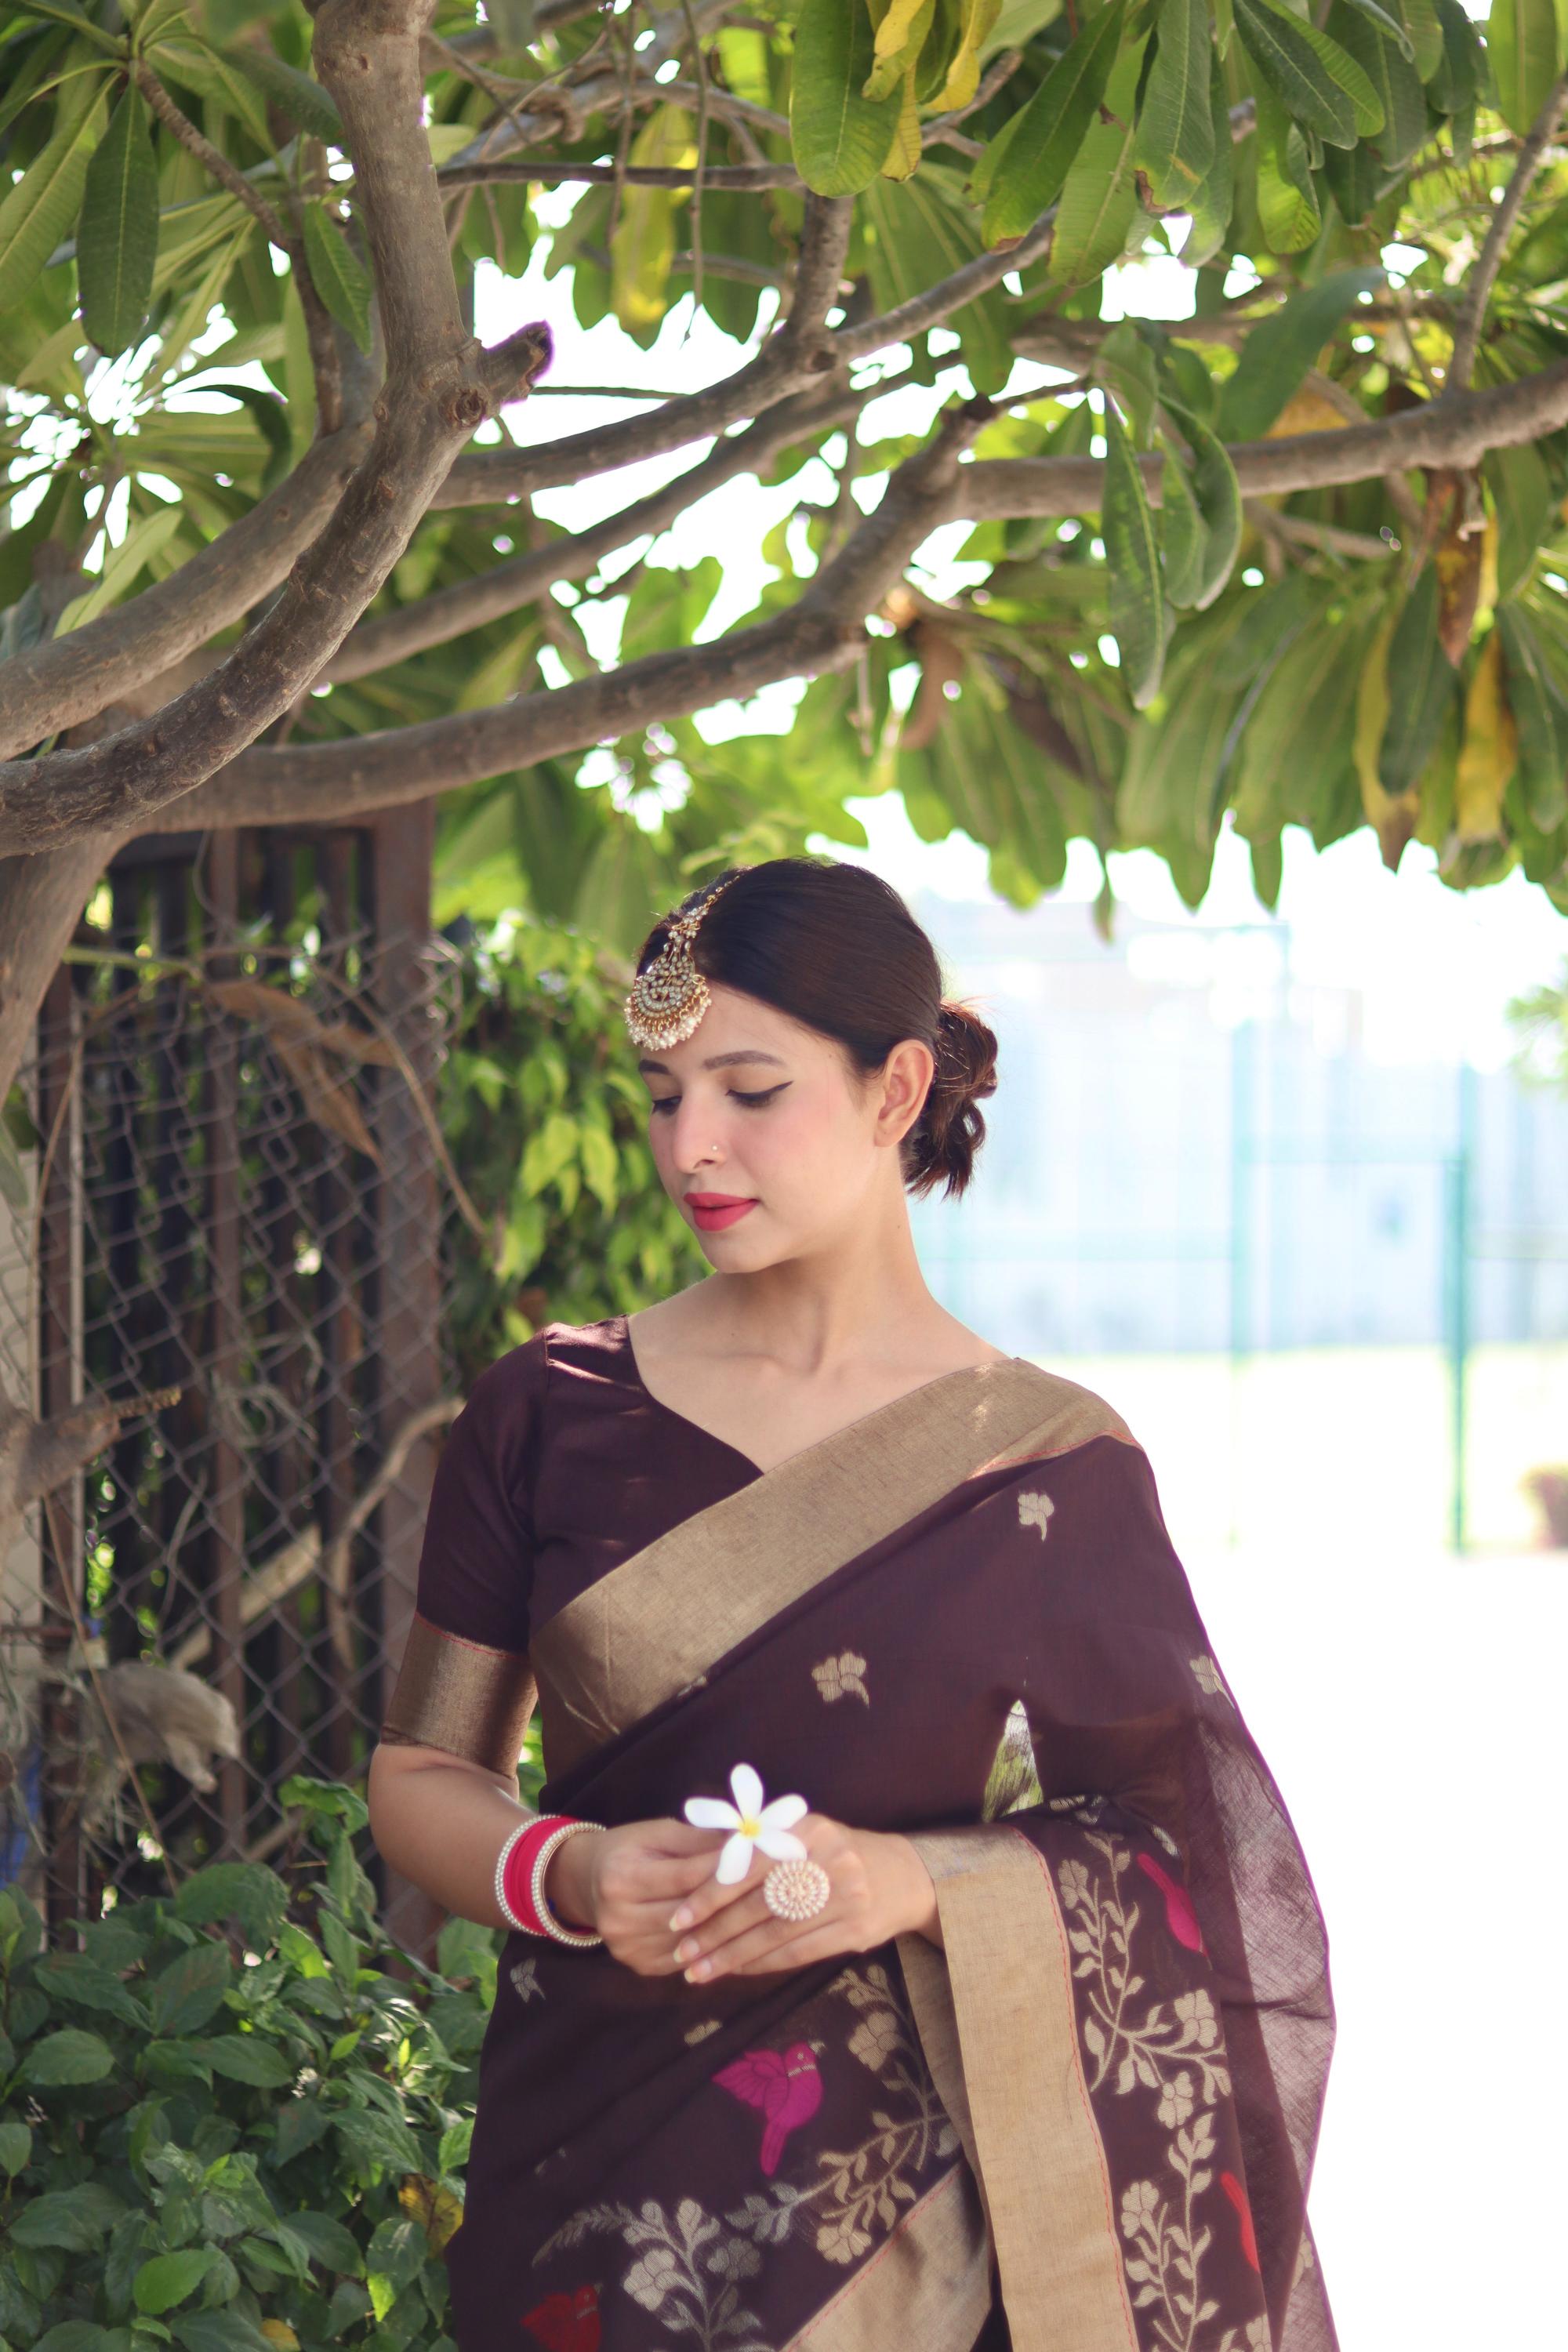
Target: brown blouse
x: 560, y: 1466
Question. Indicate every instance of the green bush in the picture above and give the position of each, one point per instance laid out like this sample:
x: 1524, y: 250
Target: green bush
x: 225, y: 2124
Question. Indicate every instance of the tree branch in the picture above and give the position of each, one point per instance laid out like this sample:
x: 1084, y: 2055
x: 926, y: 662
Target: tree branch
x: 1467, y: 332
x: 825, y: 630
x: 54, y: 684
x: 506, y: 588
x: 212, y: 160
x: 1439, y: 432
x: 438, y: 387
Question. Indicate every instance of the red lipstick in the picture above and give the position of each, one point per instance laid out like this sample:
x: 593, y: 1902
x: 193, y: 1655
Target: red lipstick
x: 711, y: 1212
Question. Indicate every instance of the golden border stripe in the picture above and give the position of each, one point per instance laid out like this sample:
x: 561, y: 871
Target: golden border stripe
x: 461, y: 1697
x: 661, y: 1617
x: 1008, y: 1994
x: 926, y: 2289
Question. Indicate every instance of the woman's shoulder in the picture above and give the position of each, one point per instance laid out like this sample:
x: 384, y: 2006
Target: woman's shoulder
x: 1071, y: 1413
x: 520, y: 1376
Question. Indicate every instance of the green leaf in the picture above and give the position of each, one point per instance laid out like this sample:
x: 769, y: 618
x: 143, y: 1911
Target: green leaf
x: 1392, y: 76
x: 1132, y: 562
x: 1424, y: 29
x: 246, y: 2058
x: 1521, y: 488
x: 335, y: 2248
x: 1356, y: 180
x: 72, y: 1977
x: 219, y: 2331
x: 1127, y: 369
x: 257, y: 1899
x: 69, y: 2056
x: 643, y: 246
x: 376, y: 2139
x: 1541, y: 715
x: 190, y: 1990
x: 1391, y: 27
x: 74, y: 2218
x: 168, y: 2279
x: 339, y: 276
x: 1099, y: 201
x: 838, y: 137
x: 116, y: 238
x: 1167, y: 796
x: 65, y: 12
x: 121, y: 566
x: 1420, y: 687
x: 1313, y: 76
x: 1291, y: 773
x: 1174, y: 142
x: 1020, y: 175
x: 923, y: 230
x: 1287, y: 195
x: 1216, y: 494
x: 1455, y: 84
x: 1183, y: 534
x: 1524, y: 44
x: 1214, y: 200
x: 295, y: 94
x: 80, y: 2336
x: 181, y: 55
x: 17, y: 2148
x: 177, y: 2062
x: 1280, y: 350
x: 40, y: 207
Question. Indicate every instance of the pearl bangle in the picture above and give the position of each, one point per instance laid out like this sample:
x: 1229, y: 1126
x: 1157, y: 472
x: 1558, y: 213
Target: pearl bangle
x: 525, y: 1907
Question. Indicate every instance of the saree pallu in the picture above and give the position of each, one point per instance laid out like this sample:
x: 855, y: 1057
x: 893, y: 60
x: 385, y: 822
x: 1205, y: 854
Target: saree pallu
x: 1085, y: 2123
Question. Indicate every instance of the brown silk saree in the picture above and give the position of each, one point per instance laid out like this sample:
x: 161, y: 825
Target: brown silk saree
x: 1087, y: 2125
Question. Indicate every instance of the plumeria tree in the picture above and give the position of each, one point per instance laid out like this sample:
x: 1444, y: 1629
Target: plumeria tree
x: 1299, y: 557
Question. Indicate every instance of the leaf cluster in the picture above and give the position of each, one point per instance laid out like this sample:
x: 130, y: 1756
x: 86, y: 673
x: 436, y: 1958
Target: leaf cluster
x: 236, y: 2119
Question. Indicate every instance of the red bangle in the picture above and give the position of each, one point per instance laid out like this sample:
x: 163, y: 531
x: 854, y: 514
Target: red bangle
x: 518, y: 1875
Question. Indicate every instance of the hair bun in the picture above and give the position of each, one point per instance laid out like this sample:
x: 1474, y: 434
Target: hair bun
x: 951, y: 1129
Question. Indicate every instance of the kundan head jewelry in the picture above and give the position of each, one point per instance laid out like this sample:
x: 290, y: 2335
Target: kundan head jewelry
x: 668, y: 1000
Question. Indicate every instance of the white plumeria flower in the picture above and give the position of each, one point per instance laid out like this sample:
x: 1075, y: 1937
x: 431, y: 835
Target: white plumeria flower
x: 752, y: 1822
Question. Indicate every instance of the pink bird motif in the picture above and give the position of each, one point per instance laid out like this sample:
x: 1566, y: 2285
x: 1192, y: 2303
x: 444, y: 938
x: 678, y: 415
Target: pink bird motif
x: 1179, y: 1916
x: 786, y: 2086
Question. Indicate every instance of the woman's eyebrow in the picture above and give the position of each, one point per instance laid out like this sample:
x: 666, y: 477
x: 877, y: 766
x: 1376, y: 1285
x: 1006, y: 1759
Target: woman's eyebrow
x: 718, y: 1061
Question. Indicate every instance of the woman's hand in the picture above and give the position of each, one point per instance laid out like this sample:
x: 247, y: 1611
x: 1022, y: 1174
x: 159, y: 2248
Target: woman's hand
x: 624, y: 1881
x: 633, y: 1883
x: 878, y: 1887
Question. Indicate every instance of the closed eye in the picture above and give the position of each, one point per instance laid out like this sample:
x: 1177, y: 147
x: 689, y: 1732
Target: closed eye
x: 754, y: 1102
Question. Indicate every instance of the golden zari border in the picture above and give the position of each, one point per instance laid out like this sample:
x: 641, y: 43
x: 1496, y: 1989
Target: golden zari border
x: 659, y: 1619
x: 994, y: 2005
x: 927, y: 2288
x: 459, y: 1696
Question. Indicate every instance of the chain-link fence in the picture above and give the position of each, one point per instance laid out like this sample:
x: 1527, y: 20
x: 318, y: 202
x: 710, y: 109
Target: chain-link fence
x: 225, y: 1228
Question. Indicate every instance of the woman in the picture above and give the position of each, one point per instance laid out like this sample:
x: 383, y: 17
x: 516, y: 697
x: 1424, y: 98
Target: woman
x: 1027, y: 2044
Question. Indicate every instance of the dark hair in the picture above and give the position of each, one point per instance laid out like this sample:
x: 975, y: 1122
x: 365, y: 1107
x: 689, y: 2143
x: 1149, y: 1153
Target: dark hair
x: 835, y: 947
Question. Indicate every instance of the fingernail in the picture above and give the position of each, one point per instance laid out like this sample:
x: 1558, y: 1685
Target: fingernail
x: 681, y: 1918
x: 686, y: 1948
x: 698, y: 1968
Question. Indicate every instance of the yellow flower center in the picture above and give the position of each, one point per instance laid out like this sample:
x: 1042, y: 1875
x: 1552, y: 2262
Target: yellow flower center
x: 750, y: 1826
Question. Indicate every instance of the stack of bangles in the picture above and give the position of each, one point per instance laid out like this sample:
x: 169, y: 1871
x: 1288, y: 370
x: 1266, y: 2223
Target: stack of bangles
x: 521, y: 1866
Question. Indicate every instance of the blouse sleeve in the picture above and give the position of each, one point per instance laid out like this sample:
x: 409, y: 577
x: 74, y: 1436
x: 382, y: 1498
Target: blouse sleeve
x: 465, y: 1685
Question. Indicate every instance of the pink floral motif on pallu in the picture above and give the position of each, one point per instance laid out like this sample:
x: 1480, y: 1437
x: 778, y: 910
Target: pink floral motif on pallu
x: 691, y: 2265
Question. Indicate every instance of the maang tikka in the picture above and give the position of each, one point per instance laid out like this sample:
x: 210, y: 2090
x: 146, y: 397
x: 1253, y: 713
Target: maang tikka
x: 668, y: 1000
